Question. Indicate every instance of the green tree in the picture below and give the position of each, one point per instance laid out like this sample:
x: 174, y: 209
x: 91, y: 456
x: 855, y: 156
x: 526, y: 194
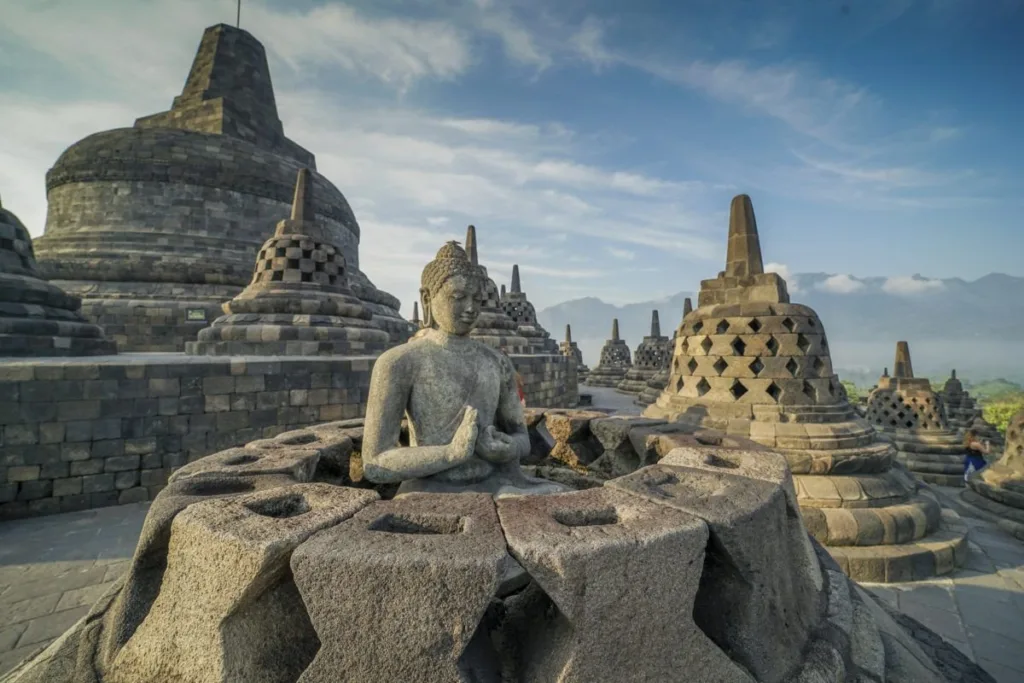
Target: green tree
x: 999, y: 411
x: 851, y: 390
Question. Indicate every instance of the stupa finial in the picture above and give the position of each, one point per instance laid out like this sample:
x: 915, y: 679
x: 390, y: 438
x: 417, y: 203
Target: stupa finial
x: 615, y: 329
x: 903, y: 368
x: 952, y: 374
x: 503, y: 291
x: 655, y: 324
x: 516, y: 286
x: 416, y: 312
x: 885, y: 372
x: 687, y: 306
x: 743, y: 257
x: 471, y: 245
x: 568, y: 334
x: 302, y: 202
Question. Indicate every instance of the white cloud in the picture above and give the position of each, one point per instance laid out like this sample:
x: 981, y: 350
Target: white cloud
x: 622, y: 254
x: 908, y: 285
x: 792, y: 282
x: 841, y: 284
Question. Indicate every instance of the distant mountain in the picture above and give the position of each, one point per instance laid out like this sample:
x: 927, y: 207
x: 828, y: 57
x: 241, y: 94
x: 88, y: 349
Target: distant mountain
x: 976, y: 327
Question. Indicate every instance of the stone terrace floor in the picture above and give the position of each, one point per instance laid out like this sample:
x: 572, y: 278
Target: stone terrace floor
x: 53, y: 568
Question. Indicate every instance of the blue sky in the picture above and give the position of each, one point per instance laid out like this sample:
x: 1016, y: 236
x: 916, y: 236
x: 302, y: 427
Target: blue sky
x: 596, y: 146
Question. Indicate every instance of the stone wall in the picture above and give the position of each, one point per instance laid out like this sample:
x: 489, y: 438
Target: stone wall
x: 84, y: 433
x: 547, y: 380
x: 92, y: 432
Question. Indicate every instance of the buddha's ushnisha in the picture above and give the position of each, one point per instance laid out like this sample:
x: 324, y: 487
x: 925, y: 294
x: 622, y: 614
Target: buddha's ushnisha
x: 466, y: 425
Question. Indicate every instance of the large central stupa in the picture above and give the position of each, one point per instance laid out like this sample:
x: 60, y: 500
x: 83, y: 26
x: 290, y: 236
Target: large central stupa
x: 749, y: 362
x: 157, y: 225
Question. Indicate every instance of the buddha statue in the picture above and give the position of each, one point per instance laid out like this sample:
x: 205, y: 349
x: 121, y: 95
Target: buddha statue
x: 467, y: 432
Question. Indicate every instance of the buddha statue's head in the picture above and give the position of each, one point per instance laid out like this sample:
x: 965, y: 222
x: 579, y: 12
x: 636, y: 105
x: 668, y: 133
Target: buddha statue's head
x: 450, y: 291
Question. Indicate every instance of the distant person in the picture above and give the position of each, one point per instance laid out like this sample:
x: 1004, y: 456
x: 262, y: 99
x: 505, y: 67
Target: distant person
x: 975, y: 452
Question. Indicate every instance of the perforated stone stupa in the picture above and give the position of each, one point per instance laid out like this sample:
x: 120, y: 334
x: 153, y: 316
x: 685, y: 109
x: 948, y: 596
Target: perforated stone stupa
x: 614, y: 363
x: 653, y: 354
x: 518, y: 307
x: 38, y: 318
x: 906, y: 409
x: 749, y: 362
x: 493, y: 326
x: 659, y: 380
x: 571, y: 349
x: 299, y: 302
x: 278, y: 562
x: 155, y: 226
x: 998, y: 490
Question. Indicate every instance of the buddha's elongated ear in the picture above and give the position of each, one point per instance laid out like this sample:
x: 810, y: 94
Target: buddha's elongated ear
x: 428, y: 315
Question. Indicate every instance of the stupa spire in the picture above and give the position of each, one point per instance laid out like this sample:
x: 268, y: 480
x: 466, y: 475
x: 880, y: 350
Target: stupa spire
x: 655, y: 324
x: 471, y: 245
x: 687, y: 306
x: 416, y: 312
x: 516, y: 287
x: 952, y: 374
x: 615, y: 329
x: 503, y: 291
x: 743, y: 257
x: 568, y: 334
x: 302, y: 203
x: 903, y: 368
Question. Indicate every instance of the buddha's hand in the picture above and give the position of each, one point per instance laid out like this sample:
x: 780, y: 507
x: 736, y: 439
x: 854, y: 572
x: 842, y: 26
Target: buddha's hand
x: 464, y: 442
x: 495, y: 446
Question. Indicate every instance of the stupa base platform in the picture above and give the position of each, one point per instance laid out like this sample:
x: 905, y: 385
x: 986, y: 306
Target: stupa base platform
x: 604, y: 377
x: 631, y: 387
x: 1009, y: 519
x: 940, y: 553
x: 942, y: 470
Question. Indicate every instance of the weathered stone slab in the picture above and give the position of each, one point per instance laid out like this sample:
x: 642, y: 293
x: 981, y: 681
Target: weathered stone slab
x: 227, y: 609
x: 297, y: 463
x: 619, y: 570
x: 749, y: 588
x: 417, y: 575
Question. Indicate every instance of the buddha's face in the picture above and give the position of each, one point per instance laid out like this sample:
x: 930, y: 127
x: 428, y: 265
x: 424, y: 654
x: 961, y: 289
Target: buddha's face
x: 455, y: 306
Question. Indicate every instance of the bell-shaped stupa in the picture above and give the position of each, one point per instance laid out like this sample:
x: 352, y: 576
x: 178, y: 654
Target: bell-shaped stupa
x: 999, y: 488
x: 751, y: 363
x: 614, y: 363
x: 518, y: 307
x: 299, y: 302
x: 156, y: 225
x: 571, y: 349
x: 653, y: 353
x: 38, y: 318
x: 493, y: 326
x: 659, y: 380
x: 908, y: 411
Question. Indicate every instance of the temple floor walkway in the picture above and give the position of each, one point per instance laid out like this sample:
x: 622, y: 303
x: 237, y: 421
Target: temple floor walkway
x: 53, y: 568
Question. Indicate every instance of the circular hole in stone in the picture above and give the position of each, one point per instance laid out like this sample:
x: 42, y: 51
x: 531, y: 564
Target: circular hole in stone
x: 718, y: 461
x: 243, y: 459
x: 291, y: 505
x: 591, y: 517
x: 297, y: 439
x: 215, y: 487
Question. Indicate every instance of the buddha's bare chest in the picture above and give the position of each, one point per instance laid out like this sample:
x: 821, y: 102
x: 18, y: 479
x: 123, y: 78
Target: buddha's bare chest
x: 444, y: 383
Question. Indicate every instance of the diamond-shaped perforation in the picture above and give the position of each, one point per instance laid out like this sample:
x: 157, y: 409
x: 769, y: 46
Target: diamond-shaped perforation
x: 756, y: 366
x: 817, y: 365
x: 703, y: 387
x: 738, y: 346
x: 802, y: 343
x: 737, y: 389
x: 706, y: 344
x: 792, y: 367
x: 692, y: 365
x: 808, y: 390
x: 788, y: 324
x: 774, y: 391
x: 754, y: 325
x: 720, y: 366
x: 772, y: 345
x: 698, y: 326
x: 722, y: 327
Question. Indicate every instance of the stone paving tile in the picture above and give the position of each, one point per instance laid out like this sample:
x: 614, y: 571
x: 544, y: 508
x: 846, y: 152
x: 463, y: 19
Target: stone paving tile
x: 1002, y: 674
x: 9, y: 636
x: 11, y: 658
x: 999, y: 648
x: 83, y: 597
x: 45, y: 629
